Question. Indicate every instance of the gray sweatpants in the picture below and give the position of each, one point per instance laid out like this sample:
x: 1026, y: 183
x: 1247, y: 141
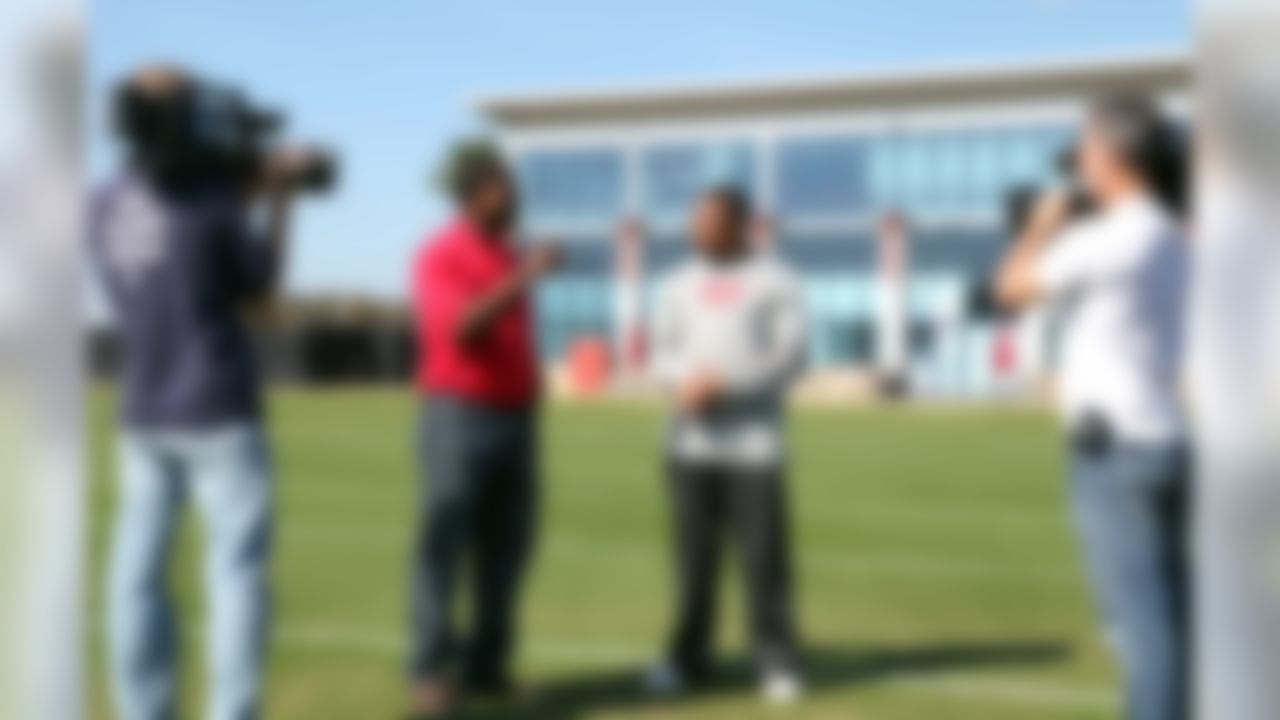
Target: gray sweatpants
x: 479, y: 501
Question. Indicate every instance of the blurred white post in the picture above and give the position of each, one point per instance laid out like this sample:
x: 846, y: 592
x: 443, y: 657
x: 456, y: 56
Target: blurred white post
x: 765, y: 230
x: 1235, y: 356
x: 949, y: 315
x: 630, y: 338
x: 41, y: 386
x: 893, y: 244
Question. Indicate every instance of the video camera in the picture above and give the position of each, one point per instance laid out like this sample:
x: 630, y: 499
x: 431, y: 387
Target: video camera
x: 1019, y: 203
x: 193, y: 132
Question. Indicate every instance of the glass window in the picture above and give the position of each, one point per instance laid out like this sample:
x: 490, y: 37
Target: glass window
x: 551, y: 318
x: 883, y: 171
x: 862, y: 341
x: 916, y: 174
x: 825, y: 176
x: 569, y: 310
x: 844, y: 297
x: 967, y: 194
x: 993, y: 162
x: 937, y: 190
x: 1057, y: 142
x: 572, y: 185
x: 833, y: 318
x: 675, y: 174
x: 862, y: 291
x: 1026, y: 158
x: 987, y: 170
x: 950, y: 173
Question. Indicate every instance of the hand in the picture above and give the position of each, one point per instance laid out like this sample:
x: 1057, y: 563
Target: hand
x: 542, y: 259
x: 1051, y: 212
x: 281, y: 170
x: 700, y: 393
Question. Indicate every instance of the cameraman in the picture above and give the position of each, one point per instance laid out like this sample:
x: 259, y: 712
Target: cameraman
x: 171, y: 238
x: 1122, y: 269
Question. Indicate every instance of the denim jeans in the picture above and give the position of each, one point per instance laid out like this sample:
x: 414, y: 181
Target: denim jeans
x: 479, y: 502
x: 228, y: 473
x: 1131, y: 505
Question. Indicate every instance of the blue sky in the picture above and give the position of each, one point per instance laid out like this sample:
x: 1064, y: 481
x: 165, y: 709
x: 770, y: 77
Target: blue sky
x: 390, y: 82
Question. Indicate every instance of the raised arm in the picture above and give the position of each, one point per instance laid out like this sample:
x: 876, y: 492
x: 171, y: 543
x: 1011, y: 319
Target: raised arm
x: 1018, y: 282
x: 480, y: 314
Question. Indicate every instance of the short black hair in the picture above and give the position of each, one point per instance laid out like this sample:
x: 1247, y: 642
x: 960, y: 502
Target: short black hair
x: 731, y: 198
x: 472, y: 162
x: 1150, y: 143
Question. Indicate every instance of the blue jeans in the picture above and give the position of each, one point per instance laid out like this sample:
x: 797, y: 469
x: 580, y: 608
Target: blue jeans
x: 1131, y: 510
x: 479, y: 503
x: 228, y: 473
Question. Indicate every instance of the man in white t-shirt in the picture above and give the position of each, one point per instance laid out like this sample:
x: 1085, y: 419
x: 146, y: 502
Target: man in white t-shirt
x: 1120, y: 268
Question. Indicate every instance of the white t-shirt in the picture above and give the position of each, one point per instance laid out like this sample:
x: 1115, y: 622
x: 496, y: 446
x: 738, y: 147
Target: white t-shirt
x: 1123, y: 274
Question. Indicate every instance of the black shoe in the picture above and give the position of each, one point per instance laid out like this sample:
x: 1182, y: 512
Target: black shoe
x: 498, y: 688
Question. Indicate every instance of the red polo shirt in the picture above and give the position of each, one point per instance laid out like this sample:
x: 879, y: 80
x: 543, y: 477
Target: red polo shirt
x: 500, y: 369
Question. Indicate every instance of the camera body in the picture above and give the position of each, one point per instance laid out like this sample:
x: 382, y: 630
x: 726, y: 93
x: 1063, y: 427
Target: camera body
x: 200, y: 133
x: 1020, y: 203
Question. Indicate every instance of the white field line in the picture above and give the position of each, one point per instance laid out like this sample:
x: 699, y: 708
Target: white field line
x: 930, y: 567
x: 943, y: 512
x: 965, y: 687
x: 1003, y: 691
x: 899, y: 564
x: 893, y: 564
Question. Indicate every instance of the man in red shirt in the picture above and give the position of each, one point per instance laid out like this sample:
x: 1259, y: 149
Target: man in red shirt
x: 479, y: 367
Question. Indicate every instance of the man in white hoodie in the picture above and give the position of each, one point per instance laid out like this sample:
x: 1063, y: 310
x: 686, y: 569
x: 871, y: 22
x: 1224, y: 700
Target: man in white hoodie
x: 728, y: 338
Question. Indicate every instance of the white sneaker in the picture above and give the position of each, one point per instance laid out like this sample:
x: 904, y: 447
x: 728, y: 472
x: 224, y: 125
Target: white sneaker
x: 782, y: 688
x: 663, y: 680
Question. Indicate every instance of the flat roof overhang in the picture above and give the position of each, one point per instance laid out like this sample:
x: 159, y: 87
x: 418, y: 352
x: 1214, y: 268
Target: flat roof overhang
x: 1009, y: 81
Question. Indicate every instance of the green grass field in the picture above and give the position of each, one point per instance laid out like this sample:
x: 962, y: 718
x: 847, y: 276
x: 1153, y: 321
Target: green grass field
x: 938, y: 577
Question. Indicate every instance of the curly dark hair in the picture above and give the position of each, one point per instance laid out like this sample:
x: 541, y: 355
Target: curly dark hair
x: 472, y: 163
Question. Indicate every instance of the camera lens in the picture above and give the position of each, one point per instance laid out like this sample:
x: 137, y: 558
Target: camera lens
x: 319, y: 173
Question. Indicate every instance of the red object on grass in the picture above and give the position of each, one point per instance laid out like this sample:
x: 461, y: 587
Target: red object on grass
x: 590, y: 365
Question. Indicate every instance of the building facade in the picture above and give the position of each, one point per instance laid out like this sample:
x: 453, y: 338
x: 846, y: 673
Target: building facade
x: 824, y: 161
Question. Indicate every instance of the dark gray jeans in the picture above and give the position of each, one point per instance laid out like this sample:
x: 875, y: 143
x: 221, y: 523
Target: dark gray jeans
x: 479, y: 504
x: 1131, y: 504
